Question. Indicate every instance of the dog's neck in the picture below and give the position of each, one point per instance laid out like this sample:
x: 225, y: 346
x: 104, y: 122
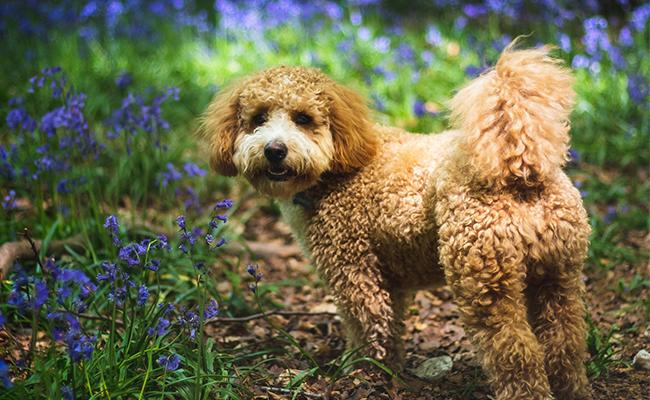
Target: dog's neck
x: 309, y: 198
x: 303, y: 200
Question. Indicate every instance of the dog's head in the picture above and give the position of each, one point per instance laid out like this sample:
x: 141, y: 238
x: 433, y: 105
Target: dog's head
x: 284, y: 127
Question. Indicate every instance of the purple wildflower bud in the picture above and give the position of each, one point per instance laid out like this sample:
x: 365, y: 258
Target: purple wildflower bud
x: 192, y: 169
x: 610, y: 214
x: 9, y: 201
x: 170, y: 363
x: 226, y: 203
x: 143, y: 295
x: 124, y: 80
x: 67, y: 393
x: 4, y: 375
x: 212, y: 309
x: 180, y: 221
x: 163, y: 242
x: 129, y: 254
x: 160, y: 329
x: 153, y: 265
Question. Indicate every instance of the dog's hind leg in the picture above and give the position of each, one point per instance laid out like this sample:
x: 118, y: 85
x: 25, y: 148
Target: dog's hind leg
x: 558, y: 318
x: 484, y: 266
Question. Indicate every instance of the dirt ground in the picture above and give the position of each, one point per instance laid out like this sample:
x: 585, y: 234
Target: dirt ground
x: 433, y: 329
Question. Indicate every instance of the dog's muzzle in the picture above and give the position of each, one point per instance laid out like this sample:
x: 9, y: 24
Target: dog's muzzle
x: 275, y: 152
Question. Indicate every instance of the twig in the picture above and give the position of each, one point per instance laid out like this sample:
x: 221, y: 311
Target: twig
x: 269, y: 313
x: 18, y: 250
x: 289, y: 391
x: 32, y: 245
x: 96, y: 318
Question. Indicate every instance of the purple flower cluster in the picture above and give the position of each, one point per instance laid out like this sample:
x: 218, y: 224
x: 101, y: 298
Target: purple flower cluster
x: 4, y: 375
x: 130, y: 255
x: 136, y: 116
x: 62, y: 134
x: 170, y: 362
x: 254, y: 271
x: 27, y: 292
x: 80, y: 346
x: 133, y: 19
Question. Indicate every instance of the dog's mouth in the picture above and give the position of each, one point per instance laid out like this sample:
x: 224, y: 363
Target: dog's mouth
x: 279, y: 173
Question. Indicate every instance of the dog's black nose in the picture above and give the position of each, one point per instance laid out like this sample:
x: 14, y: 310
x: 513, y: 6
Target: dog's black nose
x: 275, y: 151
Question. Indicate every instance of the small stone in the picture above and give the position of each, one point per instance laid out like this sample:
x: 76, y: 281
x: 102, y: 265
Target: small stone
x: 642, y: 360
x: 434, y: 368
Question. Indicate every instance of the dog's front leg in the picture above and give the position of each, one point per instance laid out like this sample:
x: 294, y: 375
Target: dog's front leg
x: 367, y: 307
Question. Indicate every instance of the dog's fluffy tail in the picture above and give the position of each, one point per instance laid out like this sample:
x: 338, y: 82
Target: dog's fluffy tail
x: 514, y: 119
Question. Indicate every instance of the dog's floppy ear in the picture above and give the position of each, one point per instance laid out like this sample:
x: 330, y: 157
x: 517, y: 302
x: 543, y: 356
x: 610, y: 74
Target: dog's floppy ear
x: 354, y: 143
x: 220, y: 124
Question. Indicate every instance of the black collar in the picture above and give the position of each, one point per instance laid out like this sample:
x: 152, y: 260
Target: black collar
x: 302, y: 199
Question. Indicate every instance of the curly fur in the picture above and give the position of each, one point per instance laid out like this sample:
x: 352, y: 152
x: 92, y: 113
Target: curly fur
x: 485, y: 208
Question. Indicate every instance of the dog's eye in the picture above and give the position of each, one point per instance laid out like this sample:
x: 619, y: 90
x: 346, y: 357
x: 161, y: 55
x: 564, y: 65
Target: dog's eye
x: 259, y: 119
x: 303, y: 119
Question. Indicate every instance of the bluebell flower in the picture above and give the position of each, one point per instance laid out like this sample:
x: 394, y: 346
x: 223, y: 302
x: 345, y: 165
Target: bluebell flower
x: 192, y: 169
x: 161, y: 328
x: 227, y: 203
x: 143, y: 295
x: 580, y: 61
x: 625, y: 38
x: 4, y: 375
x: 254, y: 271
x: 18, y: 118
x: 433, y: 35
x: 378, y: 102
x: 180, y: 221
x: 110, y: 272
x: 163, y: 243
x: 189, y: 320
x: 68, y: 278
x: 211, y: 309
x: 80, y: 346
x: 124, y: 80
x: 67, y: 393
x: 610, y: 214
x: 474, y: 71
x: 170, y: 363
x: 3, y: 320
x: 132, y: 252
x: 475, y: 10
x: 153, y: 265
x: 192, y: 200
x: 639, y: 17
x: 381, y: 44
x: 356, y: 18
x: 9, y: 201
x: 40, y: 294
x: 638, y: 88
x: 565, y: 42
x: 113, y: 226
x: 169, y: 176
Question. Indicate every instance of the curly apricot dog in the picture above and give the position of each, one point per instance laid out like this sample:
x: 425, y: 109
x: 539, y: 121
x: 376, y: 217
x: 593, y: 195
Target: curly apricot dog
x: 382, y: 212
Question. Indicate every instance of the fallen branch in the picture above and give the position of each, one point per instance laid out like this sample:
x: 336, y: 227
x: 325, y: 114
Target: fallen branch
x: 269, y: 313
x: 25, y: 250
x: 270, y: 249
x: 291, y: 392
